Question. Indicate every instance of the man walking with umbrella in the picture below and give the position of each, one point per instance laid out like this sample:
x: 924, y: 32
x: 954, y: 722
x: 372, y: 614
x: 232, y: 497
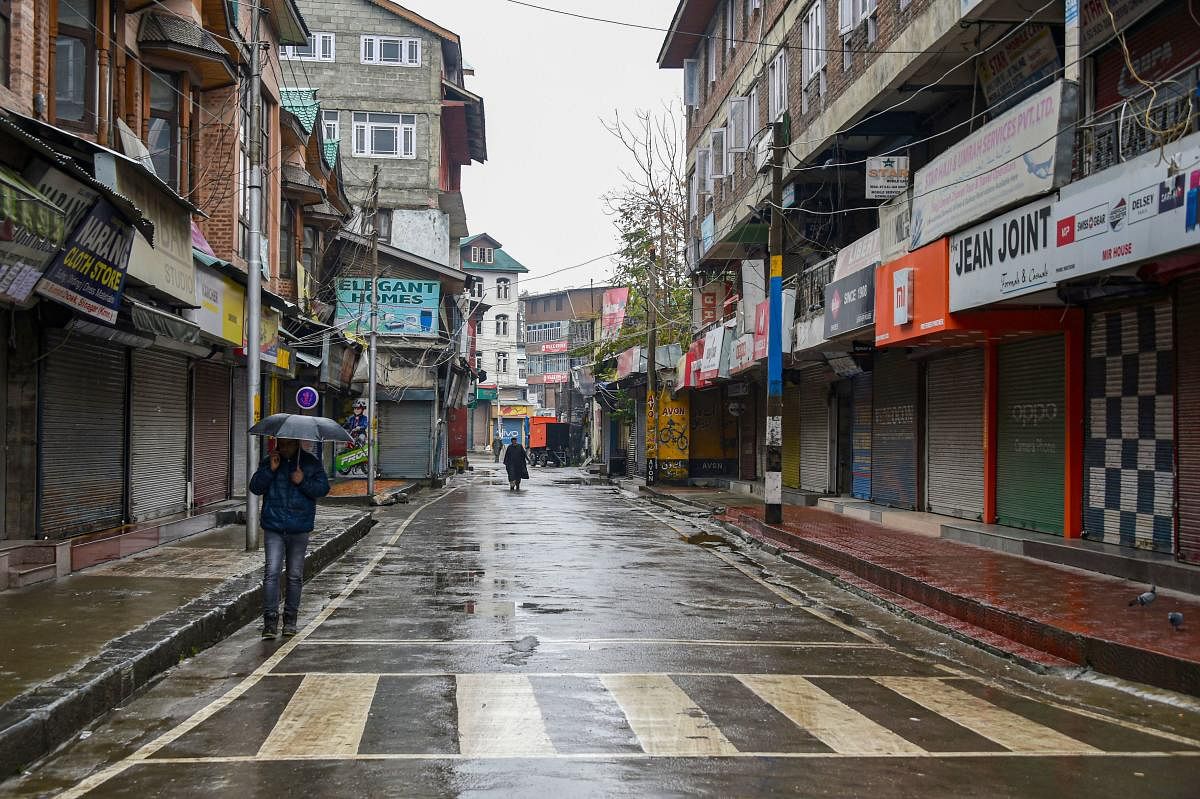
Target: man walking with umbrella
x: 290, y: 481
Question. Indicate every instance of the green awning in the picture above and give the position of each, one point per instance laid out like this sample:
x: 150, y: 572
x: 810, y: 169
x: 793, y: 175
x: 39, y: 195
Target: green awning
x: 24, y: 205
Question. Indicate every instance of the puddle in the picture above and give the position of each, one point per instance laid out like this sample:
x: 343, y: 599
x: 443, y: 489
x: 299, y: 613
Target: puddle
x: 705, y: 539
x: 728, y: 604
x: 461, y: 548
x: 534, y: 607
x: 457, y: 578
x: 472, y: 608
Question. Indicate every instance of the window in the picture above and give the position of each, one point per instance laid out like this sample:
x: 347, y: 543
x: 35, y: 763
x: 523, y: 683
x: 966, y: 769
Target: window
x: 483, y: 255
x: 558, y: 303
x: 503, y: 288
x: 777, y: 88
x: 5, y: 40
x: 385, y: 135
x: 383, y: 224
x: 753, y: 115
x: 162, y: 128
x: 712, y: 58
x: 479, y: 362
x: 703, y: 170
x: 720, y: 155
x: 814, y: 41
x: 502, y: 325
x: 539, y: 332
x: 738, y: 134
x: 477, y: 289
x: 502, y: 362
x: 287, y: 240
x: 545, y: 305
x: 534, y: 365
x: 75, y: 63
x: 319, y: 48
x: 693, y: 195
x: 391, y: 51
x: 309, y: 244
x: 691, y: 83
x: 729, y: 30
x: 332, y: 122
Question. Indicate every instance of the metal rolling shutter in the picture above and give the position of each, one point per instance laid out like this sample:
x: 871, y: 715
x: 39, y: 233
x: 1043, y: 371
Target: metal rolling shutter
x: 954, y: 443
x: 1129, y: 449
x: 638, y: 445
x: 791, y: 436
x: 240, y: 424
x: 81, y: 448
x: 862, y: 436
x: 1030, y: 435
x: 814, y: 434
x: 210, y: 443
x: 158, y: 435
x: 1187, y: 315
x: 894, y: 430
x: 405, y: 436
x: 748, y: 438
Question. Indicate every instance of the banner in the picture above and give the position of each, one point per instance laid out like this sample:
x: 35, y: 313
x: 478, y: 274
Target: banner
x: 1023, y: 59
x: 1007, y: 256
x: 222, y: 301
x: 674, y: 427
x: 405, y: 307
x: 887, y: 176
x: 1014, y: 157
x: 629, y: 362
x: 89, y: 274
x: 168, y: 265
x: 613, y: 313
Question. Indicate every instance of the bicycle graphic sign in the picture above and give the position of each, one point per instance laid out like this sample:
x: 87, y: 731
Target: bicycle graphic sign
x: 674, y: 430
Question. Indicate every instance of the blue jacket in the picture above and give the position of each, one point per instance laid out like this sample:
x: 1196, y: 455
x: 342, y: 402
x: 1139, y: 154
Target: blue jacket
x: 287, y: 507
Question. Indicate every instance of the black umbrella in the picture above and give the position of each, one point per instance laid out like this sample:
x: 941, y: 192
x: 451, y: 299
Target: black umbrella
x: 302, y: 428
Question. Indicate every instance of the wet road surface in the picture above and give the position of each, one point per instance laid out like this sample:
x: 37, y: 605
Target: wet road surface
x: 572, y: 640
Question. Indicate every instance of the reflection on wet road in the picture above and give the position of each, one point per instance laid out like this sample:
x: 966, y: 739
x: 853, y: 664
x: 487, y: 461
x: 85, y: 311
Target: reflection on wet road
x: 574, y: 640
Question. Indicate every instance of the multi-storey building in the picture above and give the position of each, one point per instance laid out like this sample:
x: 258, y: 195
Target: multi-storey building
x: 393, y: 95
x: 942, y: 159
x: 500, y: 340
x: 556, y: 323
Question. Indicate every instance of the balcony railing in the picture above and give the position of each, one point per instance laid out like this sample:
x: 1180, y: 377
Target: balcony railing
x: 810, y: 288
x: 1121, y: 133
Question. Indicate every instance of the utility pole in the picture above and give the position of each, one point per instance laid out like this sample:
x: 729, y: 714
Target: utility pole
x: 254, y: 274
x: 774, y: 475
x: 373, y: 423
x: 652, y: 365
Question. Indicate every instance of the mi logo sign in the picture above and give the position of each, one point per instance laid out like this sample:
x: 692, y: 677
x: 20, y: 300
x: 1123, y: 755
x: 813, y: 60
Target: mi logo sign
x: 902, y: 296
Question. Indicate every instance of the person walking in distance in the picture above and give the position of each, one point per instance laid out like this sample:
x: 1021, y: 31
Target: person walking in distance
x: 497, y: 445
x: 516, y: 463
x: 290, y: 481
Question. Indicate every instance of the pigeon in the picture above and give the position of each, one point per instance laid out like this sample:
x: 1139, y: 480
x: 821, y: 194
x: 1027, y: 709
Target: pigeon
x: 1145, y: 598
x: 1176, y: 619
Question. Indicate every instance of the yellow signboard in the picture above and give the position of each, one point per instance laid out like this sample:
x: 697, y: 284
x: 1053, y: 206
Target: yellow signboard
x: 674, y: 435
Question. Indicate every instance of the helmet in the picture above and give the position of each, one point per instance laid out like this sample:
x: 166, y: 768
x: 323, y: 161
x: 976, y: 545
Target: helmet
x: 360, y: 403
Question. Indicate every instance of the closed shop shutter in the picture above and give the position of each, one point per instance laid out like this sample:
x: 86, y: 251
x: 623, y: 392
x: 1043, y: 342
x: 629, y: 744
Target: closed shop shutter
x: 862, y: 436
x: 814, y: 433
x: 240, y: 424
x: 1129, y: 449
x: 894, y: 430
x: 81, y: 452
x: 158, y: 437
x: 1030, y: 431
x: 791, y: 435
x: 211, y: 419
x: 748, y: 435
x: 405, y: 436
x: 638, y: 445
x: 1187, y: 315
x: 514, y: 429
x: 954, y: 440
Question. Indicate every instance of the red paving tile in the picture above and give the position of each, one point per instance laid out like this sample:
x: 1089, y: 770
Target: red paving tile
x: 1076, y: 601
x: 358, y: 488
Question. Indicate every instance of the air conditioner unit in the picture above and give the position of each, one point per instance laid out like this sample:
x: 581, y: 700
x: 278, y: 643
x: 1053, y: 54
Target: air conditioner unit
x: 762, y: 152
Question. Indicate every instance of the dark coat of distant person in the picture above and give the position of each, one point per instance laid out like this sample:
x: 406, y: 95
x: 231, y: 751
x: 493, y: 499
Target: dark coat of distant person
x: 516, y: 462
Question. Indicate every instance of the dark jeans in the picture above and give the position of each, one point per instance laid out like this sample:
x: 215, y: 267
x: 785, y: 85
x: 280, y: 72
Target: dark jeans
x: 281, y: 547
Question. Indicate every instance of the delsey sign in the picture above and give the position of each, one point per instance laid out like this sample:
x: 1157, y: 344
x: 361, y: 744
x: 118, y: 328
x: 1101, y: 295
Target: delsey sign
x: 1018, y: 155
x: 1007, y: 256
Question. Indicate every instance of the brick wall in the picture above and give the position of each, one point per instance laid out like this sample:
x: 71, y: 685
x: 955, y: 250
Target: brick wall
x: 216, y: 185
x: 23, y: 66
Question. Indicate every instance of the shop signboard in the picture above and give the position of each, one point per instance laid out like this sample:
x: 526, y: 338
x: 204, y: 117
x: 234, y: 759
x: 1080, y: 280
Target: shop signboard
x: 911, y: 296
x: 222, y: 301
x: 485, y: 394
x: 268, y: 336
x: 555, y: 378
x: 1018, y: 155
x: 1097, y: 27
x: 613, y: 312
x: 405, y: 307
x: 1023, y: 59
x: 168, y: 265
x: 1158, y: 49
x: 850, y: 303
x: 554, y: 347
x: 895, y: 226
x: 742, y: 356
x: 89, y: 273
x: 629, y: 362
x: 887, y: 176
x: 708, y: 302
x: 32, y: 229
x: 674, y: 429
x: 711, y: 362
x: 515, y: 411
x: 1005, y: 257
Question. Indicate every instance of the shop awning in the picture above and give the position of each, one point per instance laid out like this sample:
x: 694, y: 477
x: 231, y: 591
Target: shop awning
x: 149, y: 319
x: 24, y: 205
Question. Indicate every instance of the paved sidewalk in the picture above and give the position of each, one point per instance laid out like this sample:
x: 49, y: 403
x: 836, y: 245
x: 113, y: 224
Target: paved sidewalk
x: 1080, y: 617
x: 73, y: 648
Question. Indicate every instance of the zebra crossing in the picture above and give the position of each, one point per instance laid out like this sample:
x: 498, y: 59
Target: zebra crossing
x: 648, y: 715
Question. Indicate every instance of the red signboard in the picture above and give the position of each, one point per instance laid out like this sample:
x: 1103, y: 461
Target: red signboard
x: 628, y: 362
x: 552, y: 347
x: 762, y: 323
x: 613, y: 315
x: 912, y: 296
x: 550, y: 378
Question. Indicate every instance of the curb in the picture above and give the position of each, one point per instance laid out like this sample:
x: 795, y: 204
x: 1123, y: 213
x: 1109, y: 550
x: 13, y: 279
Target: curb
x: 1107, y: 657
x: 39, y: 720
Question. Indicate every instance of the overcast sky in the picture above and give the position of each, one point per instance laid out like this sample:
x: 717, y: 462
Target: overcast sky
x: 547, y: 81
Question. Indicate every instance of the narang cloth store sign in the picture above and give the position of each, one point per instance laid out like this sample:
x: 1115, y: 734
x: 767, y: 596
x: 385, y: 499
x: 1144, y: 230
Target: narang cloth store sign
x: 89, y: 274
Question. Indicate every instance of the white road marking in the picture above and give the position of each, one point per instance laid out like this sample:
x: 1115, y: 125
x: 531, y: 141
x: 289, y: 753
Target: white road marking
x: 835, y: 724
x: 1006, y: 728
x: 211, y: 709
x: 665, y: 719
x: 326, y: 716
x: 498, y: 716
x: 593, y: 641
